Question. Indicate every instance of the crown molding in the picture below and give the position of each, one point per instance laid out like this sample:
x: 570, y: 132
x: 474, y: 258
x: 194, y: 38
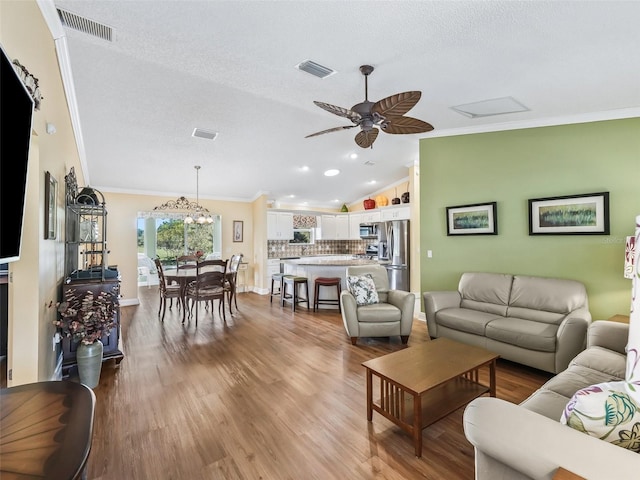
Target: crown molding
x: 617, y: 114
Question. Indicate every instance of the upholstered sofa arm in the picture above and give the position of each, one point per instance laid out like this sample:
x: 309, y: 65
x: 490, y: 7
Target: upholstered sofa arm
x: 405, y: 301
x: 513, y: 442
x: 349, y: 307
x: 435, y: 301
x: 609, y: 335
x: 571, y: 337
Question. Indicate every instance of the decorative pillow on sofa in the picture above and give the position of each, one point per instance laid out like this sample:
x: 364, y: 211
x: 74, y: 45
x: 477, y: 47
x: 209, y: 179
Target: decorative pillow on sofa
x: 605, y: 411
x: 363, y: 288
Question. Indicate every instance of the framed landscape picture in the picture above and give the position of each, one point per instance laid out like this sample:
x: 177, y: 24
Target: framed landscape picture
x: 586, y: 214
x: 476, y: 219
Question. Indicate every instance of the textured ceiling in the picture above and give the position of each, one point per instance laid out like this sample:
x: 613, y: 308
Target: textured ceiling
x: 229, y: 67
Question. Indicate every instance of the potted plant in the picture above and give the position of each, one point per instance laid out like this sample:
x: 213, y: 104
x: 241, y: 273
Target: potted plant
x: 86, y: 318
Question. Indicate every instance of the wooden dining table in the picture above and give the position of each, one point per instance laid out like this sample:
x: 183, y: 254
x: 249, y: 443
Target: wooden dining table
x: 185, y: 276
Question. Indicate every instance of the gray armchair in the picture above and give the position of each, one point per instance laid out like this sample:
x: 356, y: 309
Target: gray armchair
x: 392, y: 315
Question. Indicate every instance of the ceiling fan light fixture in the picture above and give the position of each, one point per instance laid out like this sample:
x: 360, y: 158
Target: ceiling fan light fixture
x: 491, y: 107
x: 315, y: 69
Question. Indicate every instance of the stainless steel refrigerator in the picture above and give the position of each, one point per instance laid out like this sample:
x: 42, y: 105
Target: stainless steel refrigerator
x: 393, y: 252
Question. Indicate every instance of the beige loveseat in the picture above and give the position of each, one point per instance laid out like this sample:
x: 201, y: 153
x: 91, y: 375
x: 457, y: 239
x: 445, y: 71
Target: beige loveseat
x: 527, y: 441
x: 536, y: 321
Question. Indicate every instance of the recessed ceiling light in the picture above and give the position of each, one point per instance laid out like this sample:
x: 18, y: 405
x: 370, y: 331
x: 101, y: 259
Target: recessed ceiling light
x: 372, y: 182
x: 305, y: 203
x: 292, y: 196
x: 353, y: 156
x: 304, y: 168
x: 488, y: 108
x: 332, y: 172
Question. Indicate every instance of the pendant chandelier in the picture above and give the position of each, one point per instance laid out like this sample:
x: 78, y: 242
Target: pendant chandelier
x: 196, y: 213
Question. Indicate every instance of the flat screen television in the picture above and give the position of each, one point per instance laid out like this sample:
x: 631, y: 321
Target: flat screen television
x: 16, y: 115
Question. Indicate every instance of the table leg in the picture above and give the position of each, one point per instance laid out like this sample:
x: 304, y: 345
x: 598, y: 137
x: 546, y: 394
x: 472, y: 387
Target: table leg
x: 417, y: 424
x: 369, y: 395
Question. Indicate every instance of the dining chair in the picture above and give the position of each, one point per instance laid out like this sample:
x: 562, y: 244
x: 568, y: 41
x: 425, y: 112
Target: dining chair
x: 231, y: 279
x: 186, y: 262
x: 212, y: 266
x: 207, y: 287
x: 167, y: 291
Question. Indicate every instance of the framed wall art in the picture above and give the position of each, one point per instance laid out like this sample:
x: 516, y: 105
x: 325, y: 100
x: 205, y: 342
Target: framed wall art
x: 475, y: 219
x: 238, y: 226
x: 586, y: 214
x: 50, y: 195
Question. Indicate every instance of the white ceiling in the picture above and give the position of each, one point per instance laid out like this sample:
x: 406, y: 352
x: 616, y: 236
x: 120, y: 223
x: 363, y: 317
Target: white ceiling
x: 229, y: 66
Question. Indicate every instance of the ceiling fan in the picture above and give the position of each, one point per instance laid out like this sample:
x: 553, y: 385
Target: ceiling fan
x: 386, y: 114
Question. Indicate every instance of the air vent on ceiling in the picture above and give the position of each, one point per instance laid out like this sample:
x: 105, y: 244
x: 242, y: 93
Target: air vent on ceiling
x: 85, y: 25
x: 315, y: 69
x: 369, y: 163
x: 199, y: 132
x: 488, y: 108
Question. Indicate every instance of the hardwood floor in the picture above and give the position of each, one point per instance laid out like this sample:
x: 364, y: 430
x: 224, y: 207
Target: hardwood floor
x: 269, y: 395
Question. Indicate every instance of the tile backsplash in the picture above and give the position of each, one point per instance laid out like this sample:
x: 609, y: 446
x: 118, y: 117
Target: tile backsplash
x: 282, y: 248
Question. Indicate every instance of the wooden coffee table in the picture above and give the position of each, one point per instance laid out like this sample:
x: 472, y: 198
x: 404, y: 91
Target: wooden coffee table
x: 424, y: 383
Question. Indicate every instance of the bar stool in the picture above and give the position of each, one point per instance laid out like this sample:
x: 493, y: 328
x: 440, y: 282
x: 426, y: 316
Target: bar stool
x: 276, y: 278
x: 326, y: 282
x: 293, y: 296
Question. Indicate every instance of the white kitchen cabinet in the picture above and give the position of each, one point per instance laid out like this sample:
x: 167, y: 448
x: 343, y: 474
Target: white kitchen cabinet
x: 371, y: 217
x: 334, y: 227
x: 342, y: 227
x: 328, y: 227
x: 395, y: 213
x: 355, y: 219
x: 279, y: 225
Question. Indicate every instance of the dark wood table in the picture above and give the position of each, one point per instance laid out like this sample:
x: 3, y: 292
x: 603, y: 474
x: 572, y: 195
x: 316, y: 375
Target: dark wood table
x: 424, y: 383
x: 47, y: 428
x: 184, y: 277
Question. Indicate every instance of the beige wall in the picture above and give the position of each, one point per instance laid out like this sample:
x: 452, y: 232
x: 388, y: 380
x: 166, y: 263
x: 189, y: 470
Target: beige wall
x: 122, y: 215
x: 35, y: 279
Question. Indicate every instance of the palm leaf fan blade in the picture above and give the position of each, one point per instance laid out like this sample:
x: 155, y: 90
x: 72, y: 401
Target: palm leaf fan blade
x: 405, y: 125
x: 366, y: 139
x: 329, y: 130
x: 396, y: 105
x: 340, y: 111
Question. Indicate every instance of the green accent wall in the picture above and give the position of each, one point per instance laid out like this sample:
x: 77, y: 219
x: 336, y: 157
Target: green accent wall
x: 513, y: 166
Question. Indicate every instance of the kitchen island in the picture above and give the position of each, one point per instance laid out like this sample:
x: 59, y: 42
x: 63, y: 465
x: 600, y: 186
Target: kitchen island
x: 314, y: 267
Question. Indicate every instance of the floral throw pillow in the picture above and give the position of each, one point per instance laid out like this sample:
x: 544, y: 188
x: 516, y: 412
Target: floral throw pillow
x: 605, y: 411
x: 363, y: 289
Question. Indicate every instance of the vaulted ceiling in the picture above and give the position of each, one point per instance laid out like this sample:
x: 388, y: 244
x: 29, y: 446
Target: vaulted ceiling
x: 230, y: 67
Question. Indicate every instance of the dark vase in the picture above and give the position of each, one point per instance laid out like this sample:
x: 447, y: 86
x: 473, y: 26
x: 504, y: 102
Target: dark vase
x: 405, y: 197
x: 395, y: 201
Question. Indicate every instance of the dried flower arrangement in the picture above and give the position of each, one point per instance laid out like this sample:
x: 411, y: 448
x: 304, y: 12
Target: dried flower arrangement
x: 86, y: 317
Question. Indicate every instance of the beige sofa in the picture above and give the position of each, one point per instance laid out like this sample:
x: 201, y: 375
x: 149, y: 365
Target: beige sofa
x: 527, y: 441
x: 536, y: 321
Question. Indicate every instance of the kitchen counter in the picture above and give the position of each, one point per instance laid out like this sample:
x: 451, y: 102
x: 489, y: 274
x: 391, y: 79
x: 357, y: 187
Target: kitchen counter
x: 340, y: 262
x: 314, y: 267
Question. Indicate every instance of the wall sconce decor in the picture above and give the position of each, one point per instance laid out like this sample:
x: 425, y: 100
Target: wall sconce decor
x: 30, y: 82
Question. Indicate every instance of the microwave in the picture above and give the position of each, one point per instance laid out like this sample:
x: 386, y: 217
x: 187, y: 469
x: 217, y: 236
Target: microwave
x: 368, y: 230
